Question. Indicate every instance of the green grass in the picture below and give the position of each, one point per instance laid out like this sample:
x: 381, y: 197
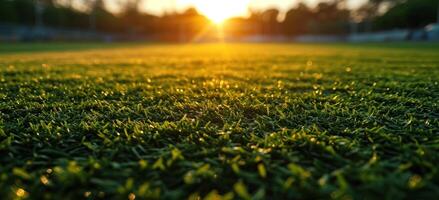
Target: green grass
x: 244, y: 121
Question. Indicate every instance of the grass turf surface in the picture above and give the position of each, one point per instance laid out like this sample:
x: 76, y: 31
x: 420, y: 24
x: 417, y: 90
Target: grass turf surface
x: 239, y: 120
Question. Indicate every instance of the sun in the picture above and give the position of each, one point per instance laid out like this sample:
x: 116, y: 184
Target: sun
x: 220, y: 10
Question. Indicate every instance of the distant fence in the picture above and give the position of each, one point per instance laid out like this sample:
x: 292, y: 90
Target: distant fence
x: 23, y: 33
x: 319, y: 38
x: 396, y: 35
x: 382, y: 36
x: 10, y: 32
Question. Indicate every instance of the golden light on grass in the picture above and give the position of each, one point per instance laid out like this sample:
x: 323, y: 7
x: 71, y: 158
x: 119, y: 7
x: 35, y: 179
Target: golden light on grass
x: 20, y: 192
x: 87, y: 194
x: 131, y: 196
x: 44, y: 180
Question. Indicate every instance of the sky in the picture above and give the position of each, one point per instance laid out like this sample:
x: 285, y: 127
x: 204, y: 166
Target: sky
x: 236, y: 7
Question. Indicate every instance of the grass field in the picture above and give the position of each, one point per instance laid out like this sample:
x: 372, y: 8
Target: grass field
x: 241, y: 121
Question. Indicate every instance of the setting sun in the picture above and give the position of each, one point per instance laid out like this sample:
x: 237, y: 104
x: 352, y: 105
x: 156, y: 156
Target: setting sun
x: 219, y: 11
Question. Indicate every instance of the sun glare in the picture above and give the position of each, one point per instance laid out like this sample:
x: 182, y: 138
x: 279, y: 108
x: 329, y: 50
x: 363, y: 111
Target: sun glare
x: 219, y: 10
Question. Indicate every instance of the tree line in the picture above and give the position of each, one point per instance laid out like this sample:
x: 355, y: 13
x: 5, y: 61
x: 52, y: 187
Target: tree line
x: 328, y: 17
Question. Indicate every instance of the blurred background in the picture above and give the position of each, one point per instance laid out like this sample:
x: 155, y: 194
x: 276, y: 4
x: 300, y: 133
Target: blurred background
x: 219, y: 20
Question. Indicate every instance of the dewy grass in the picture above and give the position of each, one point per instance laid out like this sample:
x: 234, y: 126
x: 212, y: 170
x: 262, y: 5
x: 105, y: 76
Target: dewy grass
x: 237, y: 121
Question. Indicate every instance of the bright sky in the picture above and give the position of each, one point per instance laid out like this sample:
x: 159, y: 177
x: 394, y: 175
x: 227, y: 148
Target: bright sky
x: 221, y: 8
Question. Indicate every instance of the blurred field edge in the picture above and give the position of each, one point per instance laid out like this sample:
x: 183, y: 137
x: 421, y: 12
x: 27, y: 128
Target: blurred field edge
x: 327, y: 21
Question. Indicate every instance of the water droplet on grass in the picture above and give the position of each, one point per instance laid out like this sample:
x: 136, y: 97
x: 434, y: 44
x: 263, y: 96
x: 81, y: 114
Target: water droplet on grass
x: 20, y: 192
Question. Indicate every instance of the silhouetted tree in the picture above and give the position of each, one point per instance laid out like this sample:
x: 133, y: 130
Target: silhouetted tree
x: 330, y: 18
x: 408, y: 14
x: 370, y: 10
x: 8, y: 11
x: 270, y: 24
x: 297, y: 20
x: 326, y: 18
